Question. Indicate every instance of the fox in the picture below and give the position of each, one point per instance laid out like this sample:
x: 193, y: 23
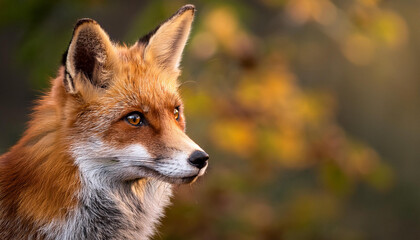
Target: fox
x: 106, y: 144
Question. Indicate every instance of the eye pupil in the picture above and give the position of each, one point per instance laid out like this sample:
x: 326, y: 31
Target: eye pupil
x: 134, y: 119
x: 176, y: 114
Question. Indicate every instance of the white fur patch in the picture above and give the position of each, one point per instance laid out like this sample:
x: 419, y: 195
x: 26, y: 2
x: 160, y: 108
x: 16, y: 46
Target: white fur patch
x: 100, y: 163
x: 95, y: 158
x: 96, y: 148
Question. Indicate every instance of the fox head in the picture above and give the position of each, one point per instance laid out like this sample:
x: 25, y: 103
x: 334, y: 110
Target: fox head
x: 123, y: 113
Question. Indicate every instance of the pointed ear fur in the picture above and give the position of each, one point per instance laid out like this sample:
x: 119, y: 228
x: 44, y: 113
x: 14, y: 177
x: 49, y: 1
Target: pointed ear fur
x: 89, y: 53
x: 166, y: 43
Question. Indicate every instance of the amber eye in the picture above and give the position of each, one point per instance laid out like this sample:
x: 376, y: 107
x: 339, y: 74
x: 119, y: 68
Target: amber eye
x: 176, y: 113
x: 134, y: 119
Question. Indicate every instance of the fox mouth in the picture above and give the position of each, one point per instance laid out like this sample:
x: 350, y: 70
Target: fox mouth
x: 170, y: 179
x: 194, y: 178
x: 181, y: 180
x: 191, y: 179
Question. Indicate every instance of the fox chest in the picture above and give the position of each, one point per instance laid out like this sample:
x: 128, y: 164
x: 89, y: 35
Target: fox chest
x: 107, y: 215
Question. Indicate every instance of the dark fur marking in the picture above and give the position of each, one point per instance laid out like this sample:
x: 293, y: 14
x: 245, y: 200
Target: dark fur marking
x: 68, y: 81
x: 82, y: 21
x: 101, y: 217
x: 64, y: 57
x: 76, y: 26
x: 84, y: 57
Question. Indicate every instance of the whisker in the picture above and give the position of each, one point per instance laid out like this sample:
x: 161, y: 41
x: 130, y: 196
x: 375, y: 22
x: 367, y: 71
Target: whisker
x: 187, y: 82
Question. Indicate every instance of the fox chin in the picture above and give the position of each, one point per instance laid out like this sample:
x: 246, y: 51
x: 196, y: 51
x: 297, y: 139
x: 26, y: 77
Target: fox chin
x: 106, y: 143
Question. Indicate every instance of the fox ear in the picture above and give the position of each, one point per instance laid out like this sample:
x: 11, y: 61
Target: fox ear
x: 166, y: 43
x: 89, y: 54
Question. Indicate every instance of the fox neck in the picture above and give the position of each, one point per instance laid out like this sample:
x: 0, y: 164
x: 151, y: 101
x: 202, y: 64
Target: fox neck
x: 117, y: 210
x: 44, y: 194
x: 121, y: 211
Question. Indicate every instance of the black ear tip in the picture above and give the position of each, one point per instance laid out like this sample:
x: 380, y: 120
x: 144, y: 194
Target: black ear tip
x: 188, y: 7
x: 82, y: 21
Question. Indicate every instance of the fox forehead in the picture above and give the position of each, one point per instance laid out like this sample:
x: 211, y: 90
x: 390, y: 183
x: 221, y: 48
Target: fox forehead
x: 139, y: 84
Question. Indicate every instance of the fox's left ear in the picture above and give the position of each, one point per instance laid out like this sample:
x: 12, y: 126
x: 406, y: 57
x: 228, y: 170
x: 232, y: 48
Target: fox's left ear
x: 166, y: 43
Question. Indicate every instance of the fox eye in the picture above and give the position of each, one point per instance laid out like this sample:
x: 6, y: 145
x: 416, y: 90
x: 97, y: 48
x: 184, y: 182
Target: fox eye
x: 176, y: 113
x: 134, y: 119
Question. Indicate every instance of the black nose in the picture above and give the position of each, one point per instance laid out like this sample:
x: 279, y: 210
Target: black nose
x: 198, y: 159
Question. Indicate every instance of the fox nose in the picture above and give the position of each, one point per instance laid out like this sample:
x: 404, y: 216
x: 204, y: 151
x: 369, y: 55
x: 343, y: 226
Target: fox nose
x: 198, y: 159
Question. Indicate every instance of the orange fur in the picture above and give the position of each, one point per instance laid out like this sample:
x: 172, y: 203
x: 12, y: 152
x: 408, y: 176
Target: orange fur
x: 38, y: 180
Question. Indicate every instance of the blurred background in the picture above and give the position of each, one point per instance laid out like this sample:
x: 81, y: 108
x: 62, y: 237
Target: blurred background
x: 309, y: 109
